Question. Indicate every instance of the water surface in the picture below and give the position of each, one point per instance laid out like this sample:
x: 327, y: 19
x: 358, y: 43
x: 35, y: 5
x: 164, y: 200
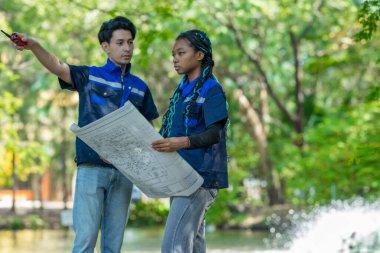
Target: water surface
x: 136, y: 240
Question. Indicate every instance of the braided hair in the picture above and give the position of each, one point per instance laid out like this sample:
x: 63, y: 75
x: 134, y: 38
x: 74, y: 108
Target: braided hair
x: 200, y: 42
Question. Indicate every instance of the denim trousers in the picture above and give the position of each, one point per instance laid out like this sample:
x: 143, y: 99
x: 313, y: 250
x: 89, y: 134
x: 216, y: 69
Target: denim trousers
x: 185, y: 226
x: 101, y: 201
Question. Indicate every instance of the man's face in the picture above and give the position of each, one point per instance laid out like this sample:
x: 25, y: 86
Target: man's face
x: 120, y: 47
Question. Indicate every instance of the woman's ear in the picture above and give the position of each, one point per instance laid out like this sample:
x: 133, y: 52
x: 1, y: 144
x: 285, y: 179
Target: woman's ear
x: 200, y: 55
x: 105, y: 47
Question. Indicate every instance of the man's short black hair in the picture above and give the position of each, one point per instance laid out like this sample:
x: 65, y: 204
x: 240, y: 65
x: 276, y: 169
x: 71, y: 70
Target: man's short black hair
x: 107, y: 28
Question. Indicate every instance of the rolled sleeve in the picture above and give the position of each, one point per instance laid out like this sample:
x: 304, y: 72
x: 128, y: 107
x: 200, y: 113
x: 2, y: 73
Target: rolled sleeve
x: 79, y: 77
x: 215, y: 108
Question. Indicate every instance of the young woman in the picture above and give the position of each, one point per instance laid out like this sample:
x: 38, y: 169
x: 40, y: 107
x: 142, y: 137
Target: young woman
x: 194, y: 125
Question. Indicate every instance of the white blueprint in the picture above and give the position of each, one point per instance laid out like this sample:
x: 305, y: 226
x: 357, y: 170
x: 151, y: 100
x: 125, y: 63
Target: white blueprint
x: 123, y: 138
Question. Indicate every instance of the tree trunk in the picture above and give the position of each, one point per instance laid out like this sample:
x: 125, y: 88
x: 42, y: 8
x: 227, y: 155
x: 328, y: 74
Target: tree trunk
x: 63, y: 160
x: 35, y: 189
x: 40, y: 194
x: 258, y: 132
x: 14, y: 186
x: 298, y: 93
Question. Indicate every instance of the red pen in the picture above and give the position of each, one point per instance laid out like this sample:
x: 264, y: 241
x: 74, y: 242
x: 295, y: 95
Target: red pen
x: 15, y: 38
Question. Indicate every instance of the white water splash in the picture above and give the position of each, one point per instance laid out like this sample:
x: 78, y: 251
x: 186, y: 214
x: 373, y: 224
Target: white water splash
x: 339, y: 231
x: 341, y: 228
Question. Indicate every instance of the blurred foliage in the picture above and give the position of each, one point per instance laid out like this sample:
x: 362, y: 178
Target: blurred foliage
x: 36, y: 222
x: 339, y: 78
x: 16, y: 223
x: 369, y: 18
x: 29, y: 155
x: 148, y: 213
x: 29, y: 221
x: 341, y: 159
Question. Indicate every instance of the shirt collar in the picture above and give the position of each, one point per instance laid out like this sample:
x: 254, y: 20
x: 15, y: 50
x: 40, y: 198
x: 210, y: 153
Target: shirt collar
x: 186, y: 88
x: 112, y: 67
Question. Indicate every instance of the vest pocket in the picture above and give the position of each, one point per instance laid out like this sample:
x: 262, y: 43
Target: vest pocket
x: 104, y: 100
x: 192, y: 115
x: 100, y: 94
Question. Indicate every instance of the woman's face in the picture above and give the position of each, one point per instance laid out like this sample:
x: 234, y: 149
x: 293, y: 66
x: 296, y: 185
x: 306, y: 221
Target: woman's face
x: 185, y: 59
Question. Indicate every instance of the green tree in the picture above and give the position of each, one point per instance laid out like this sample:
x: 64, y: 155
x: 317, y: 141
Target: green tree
x: 369, y: 17
x: 20, y: 158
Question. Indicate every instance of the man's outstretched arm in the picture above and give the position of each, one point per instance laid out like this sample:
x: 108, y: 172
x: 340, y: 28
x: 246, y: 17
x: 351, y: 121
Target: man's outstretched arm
x: 48, y: 60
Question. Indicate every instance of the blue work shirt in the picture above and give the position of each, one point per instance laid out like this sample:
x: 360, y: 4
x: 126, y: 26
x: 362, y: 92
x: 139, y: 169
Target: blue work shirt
x: 101, y: 91
x: 209, y: 108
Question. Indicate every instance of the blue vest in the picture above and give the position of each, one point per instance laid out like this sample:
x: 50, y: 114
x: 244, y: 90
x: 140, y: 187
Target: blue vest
x: 101, y: 91
x: 209, y: 108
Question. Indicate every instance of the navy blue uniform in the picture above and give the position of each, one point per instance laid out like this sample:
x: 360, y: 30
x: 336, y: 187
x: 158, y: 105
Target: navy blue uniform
x: 209, y: 108
x: 101, y: 91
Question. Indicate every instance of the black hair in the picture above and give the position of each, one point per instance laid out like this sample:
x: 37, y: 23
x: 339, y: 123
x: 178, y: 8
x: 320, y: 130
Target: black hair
x: 108, y: 27
x: 200, y: 42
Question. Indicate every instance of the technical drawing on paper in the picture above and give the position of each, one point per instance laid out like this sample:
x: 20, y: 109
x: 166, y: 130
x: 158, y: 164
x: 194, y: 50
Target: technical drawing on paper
x: 123, y: 138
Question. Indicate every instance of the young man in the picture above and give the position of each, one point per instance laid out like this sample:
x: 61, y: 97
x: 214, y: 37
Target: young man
x: 102, y: 193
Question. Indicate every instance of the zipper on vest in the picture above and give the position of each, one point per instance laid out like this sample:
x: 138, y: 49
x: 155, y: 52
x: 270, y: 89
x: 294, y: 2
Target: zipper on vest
x: 122, y: 87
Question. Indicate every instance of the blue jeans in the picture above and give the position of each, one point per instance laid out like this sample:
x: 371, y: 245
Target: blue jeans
x: 102, y: 198
x: 185, y: 226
